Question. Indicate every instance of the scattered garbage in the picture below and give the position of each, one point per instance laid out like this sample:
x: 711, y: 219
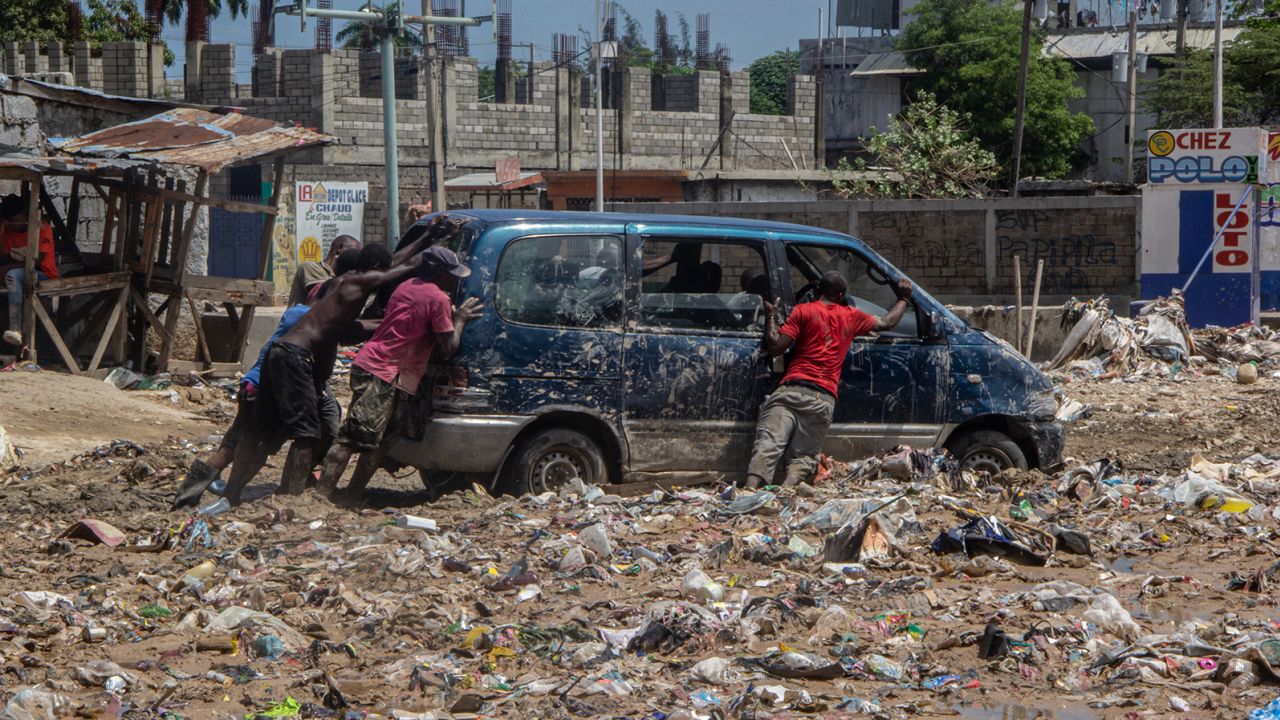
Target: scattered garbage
x: 899, y: 585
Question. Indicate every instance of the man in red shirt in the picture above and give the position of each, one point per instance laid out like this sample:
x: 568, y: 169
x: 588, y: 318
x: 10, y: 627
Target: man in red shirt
x: 420, y: 321
x: 798, y: 413
x: 13, y: 247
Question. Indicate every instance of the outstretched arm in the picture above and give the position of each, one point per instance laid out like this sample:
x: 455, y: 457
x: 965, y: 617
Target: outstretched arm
x: 439, y: 226
x: 775, y: 342
x: 891, y: 319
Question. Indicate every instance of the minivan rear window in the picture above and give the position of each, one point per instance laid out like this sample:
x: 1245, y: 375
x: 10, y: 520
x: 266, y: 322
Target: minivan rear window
x: 571, y: 281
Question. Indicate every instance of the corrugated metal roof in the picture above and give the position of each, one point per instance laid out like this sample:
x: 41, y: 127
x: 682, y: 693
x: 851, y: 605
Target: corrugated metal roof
x: 488, y: 181
x: 198, y: 138
x: 1162, y: 41
x: 1073, y: 45
x: 886, y: 63
x: 76, y: 95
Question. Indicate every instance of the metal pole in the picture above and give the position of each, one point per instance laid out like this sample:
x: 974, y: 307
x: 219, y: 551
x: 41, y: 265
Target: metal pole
x: 1131, y: 102
x: 1217, y: 65
x: 1019, y: 119
x: 599, y: 114
x: 390, y: 152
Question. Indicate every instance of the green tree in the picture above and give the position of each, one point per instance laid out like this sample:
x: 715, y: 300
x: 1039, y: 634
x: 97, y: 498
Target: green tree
x: 488, y: 84
x: 41, y: 20
x: 769, y: 77
x: 367, y: 34
x: 173, y: 11
x: 1182, y: 95
x: 927, y: 152
x: 969, y: 50
x: 119, y: 21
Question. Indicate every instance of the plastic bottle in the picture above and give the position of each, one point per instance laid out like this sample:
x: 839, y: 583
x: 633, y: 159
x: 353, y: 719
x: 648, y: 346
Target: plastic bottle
x: 419, y: 523
x: 196, y: 576
x: 698, y: 586
x: 1225, y: 503
x: 217, y: 508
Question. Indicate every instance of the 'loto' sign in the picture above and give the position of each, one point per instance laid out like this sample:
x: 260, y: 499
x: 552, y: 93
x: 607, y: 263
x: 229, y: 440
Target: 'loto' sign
x: 1199, y: 230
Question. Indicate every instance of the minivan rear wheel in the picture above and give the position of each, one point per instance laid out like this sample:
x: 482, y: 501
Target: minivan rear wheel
x: 549, y: 459
x: 989, y: 451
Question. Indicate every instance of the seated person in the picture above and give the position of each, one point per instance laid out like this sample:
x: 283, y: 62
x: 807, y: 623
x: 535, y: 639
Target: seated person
x: 13, y: 249
x: 747, y: 305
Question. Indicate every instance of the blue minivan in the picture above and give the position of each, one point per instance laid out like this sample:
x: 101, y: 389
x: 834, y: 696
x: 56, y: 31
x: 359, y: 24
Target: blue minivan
x: 628, y: 349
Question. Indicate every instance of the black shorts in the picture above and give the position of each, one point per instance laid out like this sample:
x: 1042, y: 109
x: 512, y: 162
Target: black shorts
x: 245, y: 405
x: 288, y: 404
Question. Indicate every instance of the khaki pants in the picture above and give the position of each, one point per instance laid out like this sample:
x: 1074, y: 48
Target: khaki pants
x: 794, y: 416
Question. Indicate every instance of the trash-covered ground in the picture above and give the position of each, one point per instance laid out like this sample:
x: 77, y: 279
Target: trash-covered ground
x: 1136, y: 582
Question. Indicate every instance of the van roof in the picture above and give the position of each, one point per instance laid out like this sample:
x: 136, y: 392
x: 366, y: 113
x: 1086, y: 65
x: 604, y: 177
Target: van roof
x: 560, y: 216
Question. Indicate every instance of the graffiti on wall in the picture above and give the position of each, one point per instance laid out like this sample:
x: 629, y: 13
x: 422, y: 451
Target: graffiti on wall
x: 1073, y: 262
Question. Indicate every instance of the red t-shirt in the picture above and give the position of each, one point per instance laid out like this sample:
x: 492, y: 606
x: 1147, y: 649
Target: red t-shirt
x: 18, y: 239
x: 822, y: 334
x: 400, y: 348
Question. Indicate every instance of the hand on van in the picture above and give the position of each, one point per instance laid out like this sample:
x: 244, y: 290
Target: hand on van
x: 469, y: 310
x: 903, y: 289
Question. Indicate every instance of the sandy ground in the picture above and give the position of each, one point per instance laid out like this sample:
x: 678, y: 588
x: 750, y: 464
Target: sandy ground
x: 51, y: 416
x: 382, y: 621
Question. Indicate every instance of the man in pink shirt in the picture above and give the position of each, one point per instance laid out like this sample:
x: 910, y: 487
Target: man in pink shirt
x: 419, y: 320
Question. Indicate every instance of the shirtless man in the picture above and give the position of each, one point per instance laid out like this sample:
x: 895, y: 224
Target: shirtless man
x: 299, y: 365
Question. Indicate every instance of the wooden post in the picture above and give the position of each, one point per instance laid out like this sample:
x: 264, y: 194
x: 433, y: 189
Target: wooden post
x: 1035, y: 309
x: 1017, y: 292
x: 179, y: 273
x: 269, y: 224
x: 29, y: 298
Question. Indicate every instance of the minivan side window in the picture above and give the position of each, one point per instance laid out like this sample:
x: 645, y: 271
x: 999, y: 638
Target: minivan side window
x: 702, y: 285
x: 570, y: 281
x: 869, y: 290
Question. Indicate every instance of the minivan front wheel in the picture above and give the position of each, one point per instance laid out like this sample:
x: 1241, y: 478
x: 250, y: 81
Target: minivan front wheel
x: 549, y: 459
x: 988, y: 451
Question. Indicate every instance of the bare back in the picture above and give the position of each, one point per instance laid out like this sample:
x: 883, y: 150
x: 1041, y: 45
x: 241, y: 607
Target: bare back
x: 332, y: 320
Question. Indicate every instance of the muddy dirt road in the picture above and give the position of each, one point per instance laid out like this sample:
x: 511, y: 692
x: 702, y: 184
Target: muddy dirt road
x: 586, y: 605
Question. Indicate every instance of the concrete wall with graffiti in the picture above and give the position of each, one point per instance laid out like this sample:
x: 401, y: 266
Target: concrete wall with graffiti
x: 962, y: 250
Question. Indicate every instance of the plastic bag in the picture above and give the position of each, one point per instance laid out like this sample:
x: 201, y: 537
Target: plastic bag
x: 595, y: 539
x: 715, y: 671
x: 1107, y: 613
x: 34, y: 703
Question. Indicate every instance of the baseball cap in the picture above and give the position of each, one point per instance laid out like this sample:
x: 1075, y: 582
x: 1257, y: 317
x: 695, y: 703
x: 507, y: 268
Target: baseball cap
x: 442, y: 259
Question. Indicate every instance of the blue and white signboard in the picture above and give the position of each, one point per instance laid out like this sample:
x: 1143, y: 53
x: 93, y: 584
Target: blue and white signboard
x: 1199, y: 226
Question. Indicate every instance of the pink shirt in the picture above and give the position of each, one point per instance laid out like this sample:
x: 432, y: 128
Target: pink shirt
x: 399, y: 350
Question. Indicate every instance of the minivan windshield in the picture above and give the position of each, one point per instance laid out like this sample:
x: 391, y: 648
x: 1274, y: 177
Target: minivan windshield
x: 870, y: 288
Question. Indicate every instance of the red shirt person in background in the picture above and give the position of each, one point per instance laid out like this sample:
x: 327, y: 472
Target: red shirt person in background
x: 13, y: 248
x: 798, y: 414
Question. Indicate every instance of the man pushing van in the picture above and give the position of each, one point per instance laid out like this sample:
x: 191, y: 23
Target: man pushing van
x: 798, y: 413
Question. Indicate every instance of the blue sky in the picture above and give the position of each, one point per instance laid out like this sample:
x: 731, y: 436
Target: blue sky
x: 750, y: 28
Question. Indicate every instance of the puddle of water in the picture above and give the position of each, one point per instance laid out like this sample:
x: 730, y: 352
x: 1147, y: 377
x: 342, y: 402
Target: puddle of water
x: 1021, y: 712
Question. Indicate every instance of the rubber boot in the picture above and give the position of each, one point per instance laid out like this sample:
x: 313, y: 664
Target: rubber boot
x: 199, y: 478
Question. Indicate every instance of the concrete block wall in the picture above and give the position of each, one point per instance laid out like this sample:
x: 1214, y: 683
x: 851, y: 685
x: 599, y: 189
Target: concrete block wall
x: 741, y: 80
x: 295, y: 73
x: 268, y: 73
x: 37, y: 61
x: 963, y: 249
x: 680, y: 93
x: 87, y: 66
x: 218, y: 71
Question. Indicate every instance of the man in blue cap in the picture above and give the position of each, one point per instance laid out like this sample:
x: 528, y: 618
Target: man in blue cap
x: 420, y: 321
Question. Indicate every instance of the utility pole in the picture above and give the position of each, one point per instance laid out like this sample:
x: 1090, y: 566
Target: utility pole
x: 435, y: 126
x: 1020, y: 118
x: 1184, y: 14
x: 391, y: 25
x: 528, y: 77
x: 1131, y: 101
x: 1217, y: 65
x: 392, y: 152
x: 599, y: 112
